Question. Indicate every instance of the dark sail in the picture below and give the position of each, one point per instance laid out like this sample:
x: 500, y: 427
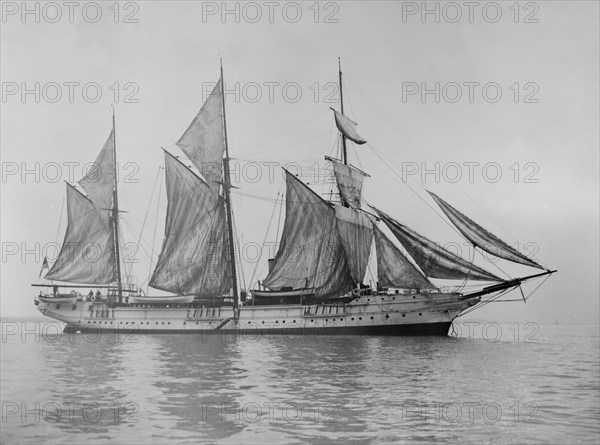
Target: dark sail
x: 311, y: 253
x: 434, y: 261
x: 99, y: 182
x: 394, y: 269
x: 194, y: 258
x: 87, y: 255
x: 349, y: 181
x: 480, y: 237
x: 204, y: 140
x: 356, y: 234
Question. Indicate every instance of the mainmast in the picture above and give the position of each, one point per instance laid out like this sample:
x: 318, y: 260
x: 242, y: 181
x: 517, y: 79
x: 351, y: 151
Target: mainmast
x: 115, y: 214
x: 227, y: 187
x: 344, y: 152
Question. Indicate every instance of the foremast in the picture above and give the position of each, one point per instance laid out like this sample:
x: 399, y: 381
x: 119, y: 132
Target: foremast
x: 344, y: 150
x: 227, y: 194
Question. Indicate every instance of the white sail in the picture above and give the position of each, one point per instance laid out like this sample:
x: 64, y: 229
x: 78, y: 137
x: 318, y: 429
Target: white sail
x: 348, y: 128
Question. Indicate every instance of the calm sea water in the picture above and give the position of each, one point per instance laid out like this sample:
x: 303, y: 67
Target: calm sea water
x: 502, y: 384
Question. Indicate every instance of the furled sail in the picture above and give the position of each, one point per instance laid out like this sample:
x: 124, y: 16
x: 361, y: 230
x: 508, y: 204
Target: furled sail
x: 195, y: 256
x: 349, y: 181
x: 480, y: 237
x: 394, y: 269
x: 87, y: 255
x: 204, y: 140
x: 356, y: 234
x: 434, y: 260
x: 310, y: 253
x: 348, y: 128
x: 99, y: 181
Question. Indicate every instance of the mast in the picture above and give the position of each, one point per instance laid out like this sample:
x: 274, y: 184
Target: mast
x: 344, y: 152
x: 227, y: 187
x: 115, y: 215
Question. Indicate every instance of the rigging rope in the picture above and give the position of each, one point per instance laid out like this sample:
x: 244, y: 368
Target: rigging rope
x: 375, y: 150
x: 146, y: 215
x: 154, y: 235
x: 60, y: 220
x: 429, y: 159
x: 266, y: 235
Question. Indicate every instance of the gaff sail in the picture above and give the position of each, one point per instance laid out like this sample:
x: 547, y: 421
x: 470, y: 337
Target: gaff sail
x: 87, y: 255
x: 194, y: 258
x: 310, y: 253
x: 434, y: 260
x: 480, y: 237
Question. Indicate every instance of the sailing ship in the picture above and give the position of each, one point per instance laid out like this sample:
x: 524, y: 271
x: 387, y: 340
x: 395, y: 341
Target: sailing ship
x: 315, y: 283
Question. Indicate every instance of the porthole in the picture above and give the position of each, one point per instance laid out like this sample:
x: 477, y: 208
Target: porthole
x: 360, y: 318
x: 352, y: 318
x: 283, y: 321
x: 263, y: 322
x: 404, y: 315
x: 387, y: 315
x: 420, y: 313
x: 327, y: 319
x: 371, y: 318
x: 276, y: 321
x: 393, y: 298
x: 312, y: 321
x: 341, y: 319
x: 294, y: 321
x: 184, y: 322
x: 249, y: 322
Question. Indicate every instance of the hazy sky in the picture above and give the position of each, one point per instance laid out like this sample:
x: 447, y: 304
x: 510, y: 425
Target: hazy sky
x: 510, y: 137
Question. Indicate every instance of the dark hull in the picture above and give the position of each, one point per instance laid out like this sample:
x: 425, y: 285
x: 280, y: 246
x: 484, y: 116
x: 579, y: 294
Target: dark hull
x: 420, y: 329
